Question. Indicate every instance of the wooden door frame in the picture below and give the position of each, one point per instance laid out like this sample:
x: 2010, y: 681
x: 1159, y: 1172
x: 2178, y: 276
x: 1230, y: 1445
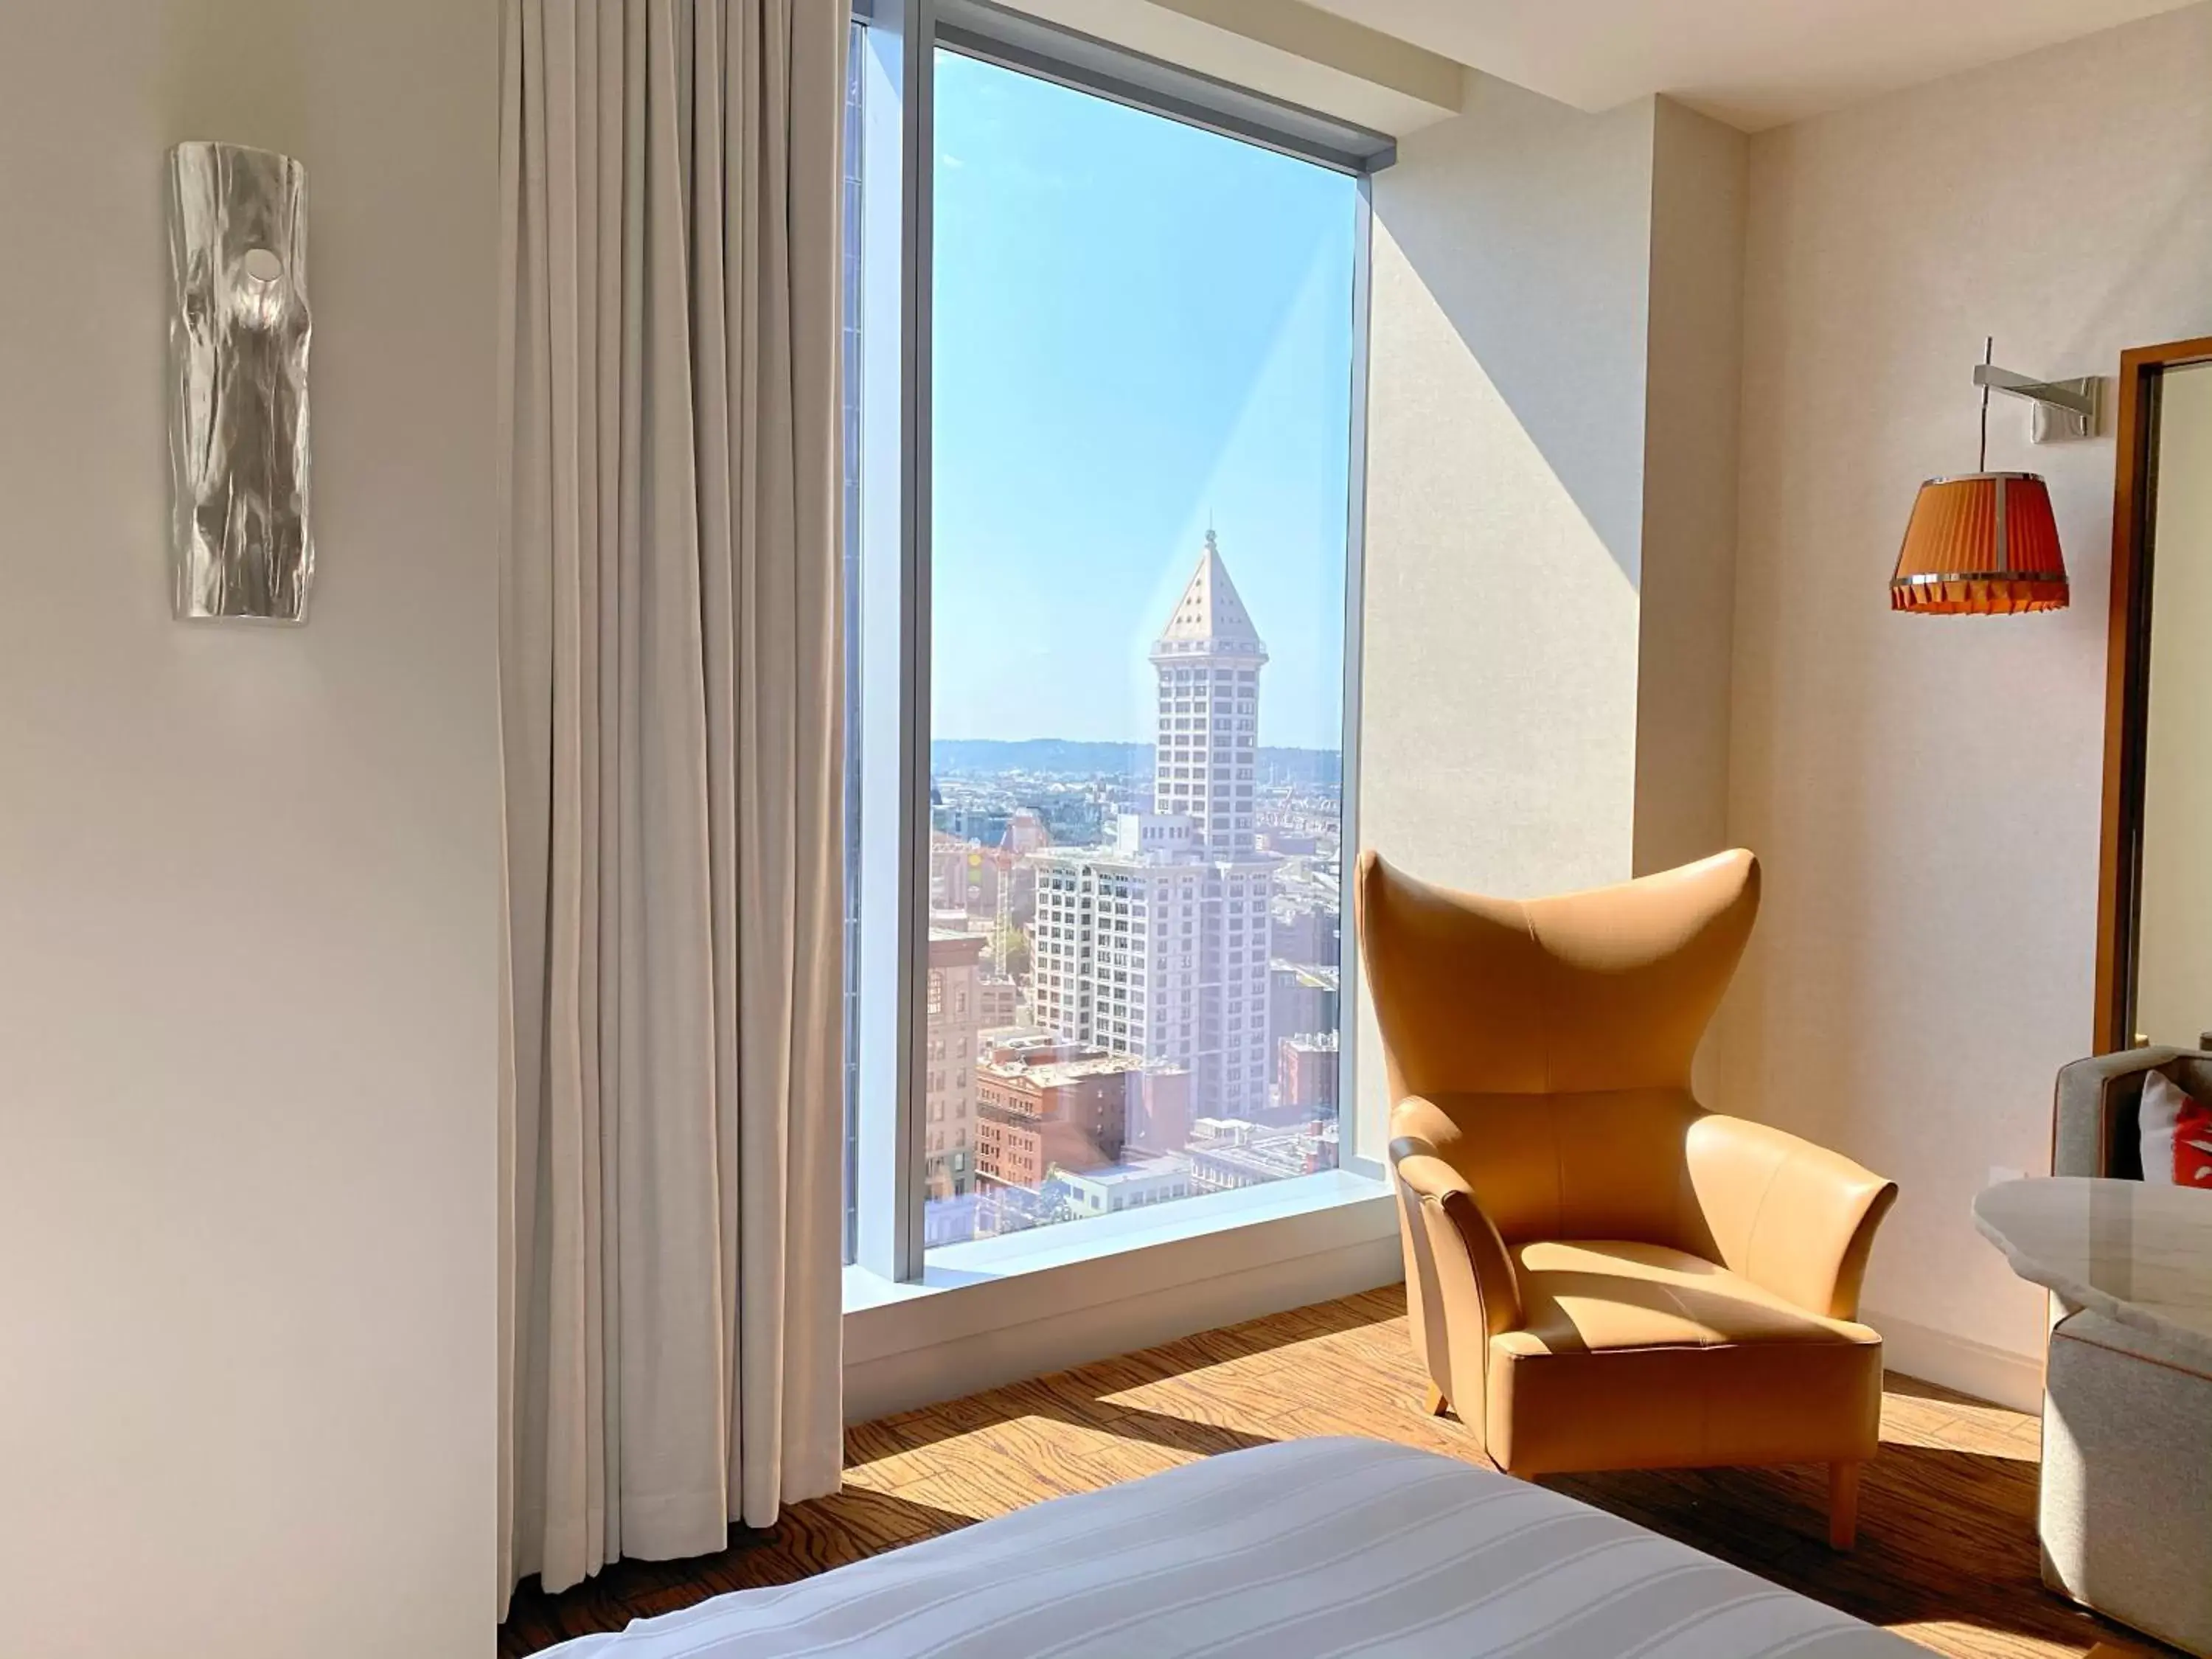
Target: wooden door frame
x: 2127, y: 681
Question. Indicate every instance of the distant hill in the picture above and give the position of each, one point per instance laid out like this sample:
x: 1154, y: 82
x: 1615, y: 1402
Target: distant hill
x: 1065, y: 757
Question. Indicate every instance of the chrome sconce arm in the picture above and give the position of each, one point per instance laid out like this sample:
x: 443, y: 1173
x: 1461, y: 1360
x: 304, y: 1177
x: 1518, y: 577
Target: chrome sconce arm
x: 2065, y: 409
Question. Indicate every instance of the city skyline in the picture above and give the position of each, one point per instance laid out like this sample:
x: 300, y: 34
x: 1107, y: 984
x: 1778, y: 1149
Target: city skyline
x: 1116, y: 1017
x: 1155, y: 944
x: 1142, y: 378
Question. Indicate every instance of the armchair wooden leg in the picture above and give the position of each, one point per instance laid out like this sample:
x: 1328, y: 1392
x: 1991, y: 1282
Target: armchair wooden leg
x: 1438, y: 1405
x: 1843, y: 1504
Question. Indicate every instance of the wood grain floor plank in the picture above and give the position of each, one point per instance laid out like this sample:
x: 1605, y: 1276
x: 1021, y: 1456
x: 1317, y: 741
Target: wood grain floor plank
x: 1947, y: 1553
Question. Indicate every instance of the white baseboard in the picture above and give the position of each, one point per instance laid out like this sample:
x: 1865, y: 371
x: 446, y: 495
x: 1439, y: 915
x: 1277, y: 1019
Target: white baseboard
x: 912, y: 1353
x: 917, y: 1352
x: 1987, y: 1372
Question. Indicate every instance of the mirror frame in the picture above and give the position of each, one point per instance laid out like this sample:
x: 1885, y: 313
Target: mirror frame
x: 2127, y: 680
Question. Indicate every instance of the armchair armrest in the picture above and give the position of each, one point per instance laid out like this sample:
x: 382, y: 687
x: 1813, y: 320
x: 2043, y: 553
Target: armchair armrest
x: 1790, y: 1216
x: 1452, y: 1215
x: 1462, y: 1288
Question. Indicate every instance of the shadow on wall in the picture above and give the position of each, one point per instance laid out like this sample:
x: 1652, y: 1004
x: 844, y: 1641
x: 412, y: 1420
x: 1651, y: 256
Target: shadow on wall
x: 1521, y: 231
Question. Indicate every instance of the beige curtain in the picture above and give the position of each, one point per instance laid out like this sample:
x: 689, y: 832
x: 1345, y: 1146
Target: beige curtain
x: 669, y: 681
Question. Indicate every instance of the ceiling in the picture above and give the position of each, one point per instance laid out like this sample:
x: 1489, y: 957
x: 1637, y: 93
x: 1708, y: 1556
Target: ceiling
x: 1752, y: 63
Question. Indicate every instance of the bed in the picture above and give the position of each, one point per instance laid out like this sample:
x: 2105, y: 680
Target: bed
x: 1309, y: 1549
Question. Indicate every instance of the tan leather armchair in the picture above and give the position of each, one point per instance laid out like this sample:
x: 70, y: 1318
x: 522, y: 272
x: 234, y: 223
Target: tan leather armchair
x: 1601, y: 1273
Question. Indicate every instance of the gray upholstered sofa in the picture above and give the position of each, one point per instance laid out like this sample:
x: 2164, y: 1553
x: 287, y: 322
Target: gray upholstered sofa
x: 2126, y: 1517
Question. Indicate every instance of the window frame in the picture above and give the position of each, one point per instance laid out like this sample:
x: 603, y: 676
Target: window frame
x: 887, y: 1076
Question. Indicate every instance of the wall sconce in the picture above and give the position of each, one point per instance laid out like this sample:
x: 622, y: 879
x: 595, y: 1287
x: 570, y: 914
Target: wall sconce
x: 1986, y: 544
x: 238, y: 419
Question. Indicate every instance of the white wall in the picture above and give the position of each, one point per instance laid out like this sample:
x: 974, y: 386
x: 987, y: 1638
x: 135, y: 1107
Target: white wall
x: 1504, y: 531
x: 248, y: 878
x: 1551, y: 460
x: 2173, y: 953
x: 1924, y: 790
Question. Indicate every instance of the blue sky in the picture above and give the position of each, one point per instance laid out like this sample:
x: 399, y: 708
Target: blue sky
x: 1137, y: 325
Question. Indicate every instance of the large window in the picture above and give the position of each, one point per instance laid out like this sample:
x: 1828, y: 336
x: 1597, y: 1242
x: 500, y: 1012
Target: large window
x: 1100, y: 556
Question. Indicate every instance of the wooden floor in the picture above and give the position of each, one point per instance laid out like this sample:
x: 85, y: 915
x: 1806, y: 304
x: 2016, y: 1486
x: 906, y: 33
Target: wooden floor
x: 1947, y: 1546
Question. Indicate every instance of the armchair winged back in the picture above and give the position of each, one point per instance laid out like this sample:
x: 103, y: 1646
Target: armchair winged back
x: 1543, y: 1049
x: 1565, y: 1200
x: 1588, y: 991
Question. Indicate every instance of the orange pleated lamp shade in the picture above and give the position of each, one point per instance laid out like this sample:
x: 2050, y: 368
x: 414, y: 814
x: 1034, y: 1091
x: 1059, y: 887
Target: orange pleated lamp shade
x: 1983, y: 543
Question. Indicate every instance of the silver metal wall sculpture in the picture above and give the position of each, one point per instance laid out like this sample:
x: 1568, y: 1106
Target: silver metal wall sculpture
x: 238, y: 422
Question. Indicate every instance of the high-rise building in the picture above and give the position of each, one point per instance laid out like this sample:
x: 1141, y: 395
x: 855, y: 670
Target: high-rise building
x: 1156, y: 945
x: 956, y: 1017
x: 1208, y: 659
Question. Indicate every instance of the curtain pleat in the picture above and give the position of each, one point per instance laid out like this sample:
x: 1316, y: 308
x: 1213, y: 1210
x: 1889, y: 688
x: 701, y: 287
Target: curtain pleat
x: 669, y: 681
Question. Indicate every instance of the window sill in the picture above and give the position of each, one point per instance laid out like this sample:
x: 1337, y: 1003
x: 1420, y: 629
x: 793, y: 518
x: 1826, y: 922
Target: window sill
x: 994, y: 1309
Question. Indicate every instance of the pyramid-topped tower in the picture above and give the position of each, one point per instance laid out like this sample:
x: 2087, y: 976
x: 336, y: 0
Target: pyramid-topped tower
x: 1208, y: 659
x: 1157, y: 946
x: 1210, y: 619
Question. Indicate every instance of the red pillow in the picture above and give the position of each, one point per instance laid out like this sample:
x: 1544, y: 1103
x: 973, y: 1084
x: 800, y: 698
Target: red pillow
x: 2177, y: 1134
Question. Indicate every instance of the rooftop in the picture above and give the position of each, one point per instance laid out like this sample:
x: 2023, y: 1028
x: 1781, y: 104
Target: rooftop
x: 1052, y: 1073
x: 1127, y: 1173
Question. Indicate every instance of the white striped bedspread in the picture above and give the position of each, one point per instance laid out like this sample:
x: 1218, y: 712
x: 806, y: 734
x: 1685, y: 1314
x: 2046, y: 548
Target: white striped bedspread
x: 1309, y: 1549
